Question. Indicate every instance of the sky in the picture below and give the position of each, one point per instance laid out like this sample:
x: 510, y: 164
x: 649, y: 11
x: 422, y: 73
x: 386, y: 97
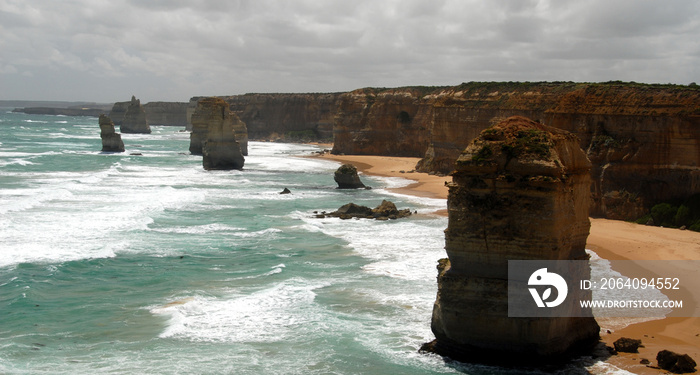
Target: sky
x: 171, y: 50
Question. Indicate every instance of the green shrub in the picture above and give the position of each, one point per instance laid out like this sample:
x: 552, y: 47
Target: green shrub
x: 695, y: 227
x: 643, y: 220
x: 682, y: 216
x: 484, y: 153
x: 664, y: 214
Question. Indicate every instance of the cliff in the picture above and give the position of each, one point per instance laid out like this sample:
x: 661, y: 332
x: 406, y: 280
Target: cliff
x: 289, y: 117
x: 157, y: 113
x: 87, y: 111
x: 383, y: 122
x: 166, y: 113
x: 520, y: 192
x: 214, y: 129
x: 111, y: 140
x: 134, y: 120
x: 643, y: 140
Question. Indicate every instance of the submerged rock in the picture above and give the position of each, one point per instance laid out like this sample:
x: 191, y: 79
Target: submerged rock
x: 135, y: 118
x: 346, y: 177
x: 111, y: 140
x: 521, y: 191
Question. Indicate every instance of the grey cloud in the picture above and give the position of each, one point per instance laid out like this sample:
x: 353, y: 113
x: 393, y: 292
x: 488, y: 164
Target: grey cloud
x: 175, y: 49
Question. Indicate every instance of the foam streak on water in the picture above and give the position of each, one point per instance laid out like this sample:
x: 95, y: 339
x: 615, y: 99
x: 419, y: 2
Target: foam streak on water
x: 120, y: 263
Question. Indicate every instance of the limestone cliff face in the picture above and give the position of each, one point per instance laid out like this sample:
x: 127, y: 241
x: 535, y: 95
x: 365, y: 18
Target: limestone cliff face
x: 643, y: 141
x: 166, y: 113
x: 520, y: 191
x: 157, y: 113
x: 214, y: 130
x: 289, y: 117
x: 382, y: 122
x: 135, y: 119
x: 118, y: 111
x: 111, y: 140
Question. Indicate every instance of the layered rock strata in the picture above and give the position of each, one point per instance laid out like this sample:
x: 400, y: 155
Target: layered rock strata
x: 111, y: 140
x: 643, y: 140
x: 390, y: 122
x: 521, y: 191
x: 214, y: 135
x: 135, y: 119
x: 166, y: 113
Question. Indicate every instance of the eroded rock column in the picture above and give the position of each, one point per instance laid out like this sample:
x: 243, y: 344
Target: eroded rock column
x: 135, y: 118
x: 214, y: 130
x: 521, y: 191
x: 111, y: 140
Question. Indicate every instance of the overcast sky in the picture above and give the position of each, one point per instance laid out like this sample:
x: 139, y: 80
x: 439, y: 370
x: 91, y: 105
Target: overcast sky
x: 108, y: 50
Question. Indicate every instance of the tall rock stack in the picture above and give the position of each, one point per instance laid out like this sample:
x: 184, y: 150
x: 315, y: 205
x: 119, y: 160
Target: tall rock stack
x: 213, y: 135
x: 111, y: 140
x: 135, y: 119
x: 521, y: 191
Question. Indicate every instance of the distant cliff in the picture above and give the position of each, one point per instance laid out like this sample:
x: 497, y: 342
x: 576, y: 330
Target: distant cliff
x: 643, y: 140
x: 70, y: 111
x: 287, y: 117
x: 157, y: 113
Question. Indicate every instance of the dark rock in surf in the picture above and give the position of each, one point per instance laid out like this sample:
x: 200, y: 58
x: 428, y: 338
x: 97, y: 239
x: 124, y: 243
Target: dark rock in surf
x: 347, y: 178
x: 111, y: 140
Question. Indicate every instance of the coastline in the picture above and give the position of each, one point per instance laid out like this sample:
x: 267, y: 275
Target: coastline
x: 610, y: 239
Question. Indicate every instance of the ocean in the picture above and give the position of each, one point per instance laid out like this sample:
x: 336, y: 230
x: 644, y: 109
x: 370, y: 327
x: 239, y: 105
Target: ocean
x: 144, y: 263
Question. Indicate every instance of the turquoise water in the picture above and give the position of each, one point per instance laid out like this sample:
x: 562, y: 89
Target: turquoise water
x: 148, y: 264
x: 119, y: 263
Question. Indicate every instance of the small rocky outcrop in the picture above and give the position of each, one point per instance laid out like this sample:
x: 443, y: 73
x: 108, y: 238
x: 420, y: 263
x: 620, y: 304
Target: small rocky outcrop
x: 346, y: 177
x: 674, y: 362
x: 385, y: 211
x: 285, y: 191
x: 111, y: 140
x: 627, y: 345
x: 521, y: 191
x: 135, y: 118
x: 214, y: 136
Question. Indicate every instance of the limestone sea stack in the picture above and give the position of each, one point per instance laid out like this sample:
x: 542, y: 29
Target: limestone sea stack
x: 214, y: 135
x: 521, y: 191
x: 135, y: 118
x: 111, y: 140
x: 215, y: 111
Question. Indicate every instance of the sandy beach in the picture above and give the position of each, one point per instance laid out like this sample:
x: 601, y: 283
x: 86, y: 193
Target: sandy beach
x: 613, y: 240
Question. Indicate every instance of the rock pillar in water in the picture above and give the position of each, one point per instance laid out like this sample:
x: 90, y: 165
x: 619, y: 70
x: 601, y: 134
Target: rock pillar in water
x: 521, y: 191
x: 135, y: 118
x: 213, y: 111
x: 111, y: 140
x: 214, y: 135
